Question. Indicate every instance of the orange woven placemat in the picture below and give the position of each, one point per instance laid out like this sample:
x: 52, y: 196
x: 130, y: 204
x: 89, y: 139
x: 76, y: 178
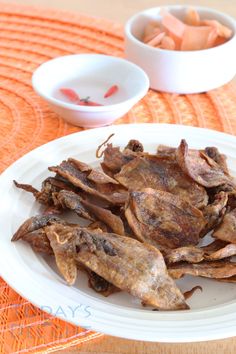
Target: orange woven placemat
x: 28, y: 37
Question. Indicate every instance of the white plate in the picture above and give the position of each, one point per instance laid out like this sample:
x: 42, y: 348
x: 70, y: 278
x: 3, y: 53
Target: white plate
x: 213, y: 312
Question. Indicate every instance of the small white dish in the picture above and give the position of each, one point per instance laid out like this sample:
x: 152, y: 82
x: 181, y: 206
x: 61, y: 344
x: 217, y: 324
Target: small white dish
x: 90, y: 75
x: 181, y: 72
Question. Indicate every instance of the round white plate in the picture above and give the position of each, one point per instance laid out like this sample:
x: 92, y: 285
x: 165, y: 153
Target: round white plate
x: 213, y: 312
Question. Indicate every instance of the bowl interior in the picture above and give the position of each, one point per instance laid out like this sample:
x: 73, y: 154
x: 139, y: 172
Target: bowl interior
x: 138, y: 22
x: 90, y: 75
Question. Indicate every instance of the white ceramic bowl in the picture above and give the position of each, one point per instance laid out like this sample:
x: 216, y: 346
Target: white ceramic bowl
x: 90, y: 75
x: 181, y: 71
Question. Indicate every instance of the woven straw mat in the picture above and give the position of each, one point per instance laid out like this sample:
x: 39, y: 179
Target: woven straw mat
x: 28, y: 37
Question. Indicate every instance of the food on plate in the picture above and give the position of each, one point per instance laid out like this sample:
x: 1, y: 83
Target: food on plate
x: 142, y: 220
x: 49, y: 186
x: 161, y: 173
x: 226, y: 231
x: 89, y: 211
x: 189, y: 293
x: 193, y: 254
x: 134, y: 145
x: 32, y: 231
x: 162, y: 218
x: 189, y: 254
x: 114, y: 159
x: 219, y: 158
x: 91, y: 181
x: 192, y: 33
x: 130, y: 265
x: 33, y: 224
x: 213, y: 246
x: 227, y: 251
x: 99, y: 284
x: 69, y: 200
x: 200, y: 167
x: 214, y: 269
x: 214, y: 212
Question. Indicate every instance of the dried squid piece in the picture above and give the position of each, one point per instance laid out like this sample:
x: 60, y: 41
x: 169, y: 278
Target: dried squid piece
x: 135, y: 146
x: 72, y: 201
x: 225, y: 252
x: 32, y: 231
x: 189, y: 293
x: 91, y: 181
x: 214, y: 212
x: 124, y: 262
x: 113, y: 221
x: 213, y: 246
x: 166, y: 151
x: 210, y: 151
x: 162, y: 218
x: 35, y: 223
x: 98, y: 225
x: 27, y: 188
x: 200, y: 167
x: 64, y: 249
x: 89, y: 211
x: 162, y: 173
x: 219, y: 158
x: 216, y: 269
x: 226, y: 231
x: 49, y: 186
x: 100, y: 285
x: 231, y: 199
x: 114, y: 158
x: 227, y: 280
x: 189, y: 254
x: 38, y: 241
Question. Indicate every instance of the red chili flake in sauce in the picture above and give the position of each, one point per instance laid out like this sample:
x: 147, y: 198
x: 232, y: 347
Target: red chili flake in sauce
x: 111, y: 91
x: 70, y: 94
